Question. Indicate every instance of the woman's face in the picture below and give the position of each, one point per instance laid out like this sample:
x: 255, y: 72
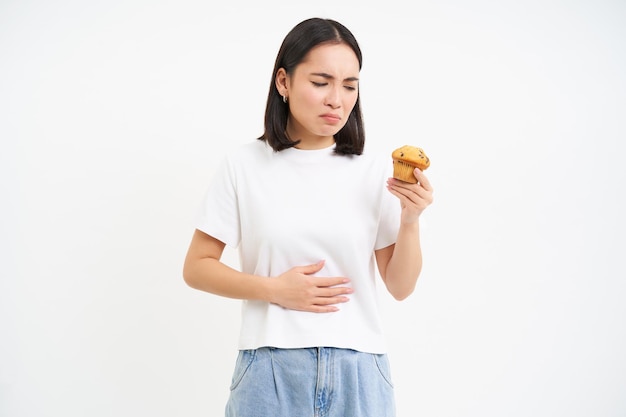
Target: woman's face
x: 321, y: 94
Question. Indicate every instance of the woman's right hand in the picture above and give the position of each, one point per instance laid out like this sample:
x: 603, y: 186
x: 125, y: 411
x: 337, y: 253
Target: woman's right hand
x: 298, y: 289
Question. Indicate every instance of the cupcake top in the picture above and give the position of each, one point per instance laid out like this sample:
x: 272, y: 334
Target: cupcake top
x: 412, y: 155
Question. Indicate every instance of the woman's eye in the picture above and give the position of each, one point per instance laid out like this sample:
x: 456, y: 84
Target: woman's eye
x: 349, y: 87
x: 319, y: 84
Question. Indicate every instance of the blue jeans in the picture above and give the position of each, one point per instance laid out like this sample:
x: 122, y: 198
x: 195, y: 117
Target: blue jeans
x: 310, y: 382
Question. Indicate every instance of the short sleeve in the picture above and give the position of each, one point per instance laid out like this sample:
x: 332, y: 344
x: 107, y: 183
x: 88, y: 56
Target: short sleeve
x: 389, y: 220
x: 218, y: 215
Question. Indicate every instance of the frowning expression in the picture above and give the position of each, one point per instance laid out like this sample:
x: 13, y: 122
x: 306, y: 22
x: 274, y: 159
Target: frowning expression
x: 321, y: 92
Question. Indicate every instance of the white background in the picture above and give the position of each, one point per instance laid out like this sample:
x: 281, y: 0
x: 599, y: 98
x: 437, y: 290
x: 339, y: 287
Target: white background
x: 114, y: 114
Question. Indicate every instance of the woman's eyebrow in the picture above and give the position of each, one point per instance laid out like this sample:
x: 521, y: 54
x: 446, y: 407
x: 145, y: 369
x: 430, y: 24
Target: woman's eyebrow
x: 330, y: 77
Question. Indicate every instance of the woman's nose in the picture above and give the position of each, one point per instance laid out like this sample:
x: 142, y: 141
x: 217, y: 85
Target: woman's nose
x: 333, y: 99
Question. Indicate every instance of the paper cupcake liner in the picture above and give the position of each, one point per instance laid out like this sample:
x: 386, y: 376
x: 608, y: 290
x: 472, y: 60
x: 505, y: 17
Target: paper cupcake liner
x: 403, y: 171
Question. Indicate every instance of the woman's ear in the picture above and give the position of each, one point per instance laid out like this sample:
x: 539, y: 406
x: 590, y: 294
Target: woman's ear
x: 281, y: 82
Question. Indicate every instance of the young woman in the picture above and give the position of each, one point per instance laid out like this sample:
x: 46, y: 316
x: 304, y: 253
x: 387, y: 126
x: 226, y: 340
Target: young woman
x: 312, y: 214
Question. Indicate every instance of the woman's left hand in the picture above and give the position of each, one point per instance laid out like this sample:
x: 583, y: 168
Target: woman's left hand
x: 414, y: 198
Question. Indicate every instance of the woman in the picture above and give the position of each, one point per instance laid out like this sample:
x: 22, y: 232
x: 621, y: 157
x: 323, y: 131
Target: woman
x: 310, y: 213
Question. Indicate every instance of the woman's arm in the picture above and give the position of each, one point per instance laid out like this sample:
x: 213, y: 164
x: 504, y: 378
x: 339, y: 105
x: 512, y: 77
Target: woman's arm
x: 296, y: 289
x: 401, y: 263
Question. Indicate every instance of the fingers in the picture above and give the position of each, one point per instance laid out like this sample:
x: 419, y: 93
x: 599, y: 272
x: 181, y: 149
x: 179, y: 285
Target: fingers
x: 413, y: 192
x: 422, y: 183
x: 328, y: 305
x: 334, y: 292
x: 422, y: 180
x: 319, y: 281
x: 322, y: 309
x: 330, y: 281
x: 414, y: 198
x: 310, y: 269
x: 414, y: 195
x: 300, y: 289
x: 328, y: 295
x: 325, y: 300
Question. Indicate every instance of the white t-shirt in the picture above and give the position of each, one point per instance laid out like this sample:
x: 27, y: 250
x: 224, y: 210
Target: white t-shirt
x: 297, y: 207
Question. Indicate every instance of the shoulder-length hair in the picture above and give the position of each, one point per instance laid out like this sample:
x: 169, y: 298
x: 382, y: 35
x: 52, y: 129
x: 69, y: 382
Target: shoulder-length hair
x: 306, y: 35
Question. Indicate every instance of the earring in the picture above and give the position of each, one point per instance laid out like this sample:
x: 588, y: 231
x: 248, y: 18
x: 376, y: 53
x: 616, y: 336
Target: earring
x: 285, y: 99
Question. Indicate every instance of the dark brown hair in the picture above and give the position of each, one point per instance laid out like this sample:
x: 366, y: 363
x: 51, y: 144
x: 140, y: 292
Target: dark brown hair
x: 306, y: 35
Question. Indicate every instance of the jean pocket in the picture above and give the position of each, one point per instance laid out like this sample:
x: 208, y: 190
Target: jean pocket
x: 382, y: 363
x: 244, y: 360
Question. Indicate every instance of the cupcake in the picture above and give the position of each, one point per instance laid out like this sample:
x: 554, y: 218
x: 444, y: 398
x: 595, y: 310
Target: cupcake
x: 405, y: 160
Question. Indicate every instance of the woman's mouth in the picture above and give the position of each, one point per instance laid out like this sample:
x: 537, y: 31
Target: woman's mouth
x: 331, y: 118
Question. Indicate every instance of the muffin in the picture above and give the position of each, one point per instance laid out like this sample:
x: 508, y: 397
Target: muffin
x: 405, y: 160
